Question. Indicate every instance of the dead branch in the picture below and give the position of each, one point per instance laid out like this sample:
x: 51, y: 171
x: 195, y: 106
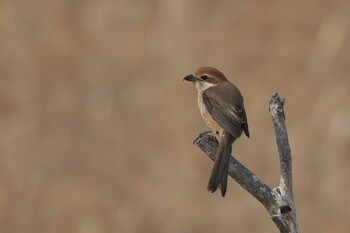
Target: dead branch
x: 278, y: 201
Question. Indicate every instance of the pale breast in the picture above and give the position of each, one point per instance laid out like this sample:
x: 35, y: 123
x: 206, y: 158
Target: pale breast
x: 211, y: 123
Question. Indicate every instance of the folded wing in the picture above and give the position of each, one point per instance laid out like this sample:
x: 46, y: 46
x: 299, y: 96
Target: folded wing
x: 227, y: 110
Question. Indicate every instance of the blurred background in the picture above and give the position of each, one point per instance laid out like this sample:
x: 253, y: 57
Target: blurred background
x: 96, y: 125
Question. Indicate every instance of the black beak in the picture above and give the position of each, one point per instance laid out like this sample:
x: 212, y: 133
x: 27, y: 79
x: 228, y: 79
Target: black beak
x: 190, y: 78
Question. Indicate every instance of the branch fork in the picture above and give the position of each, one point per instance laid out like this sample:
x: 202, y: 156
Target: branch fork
x: 278, y: 201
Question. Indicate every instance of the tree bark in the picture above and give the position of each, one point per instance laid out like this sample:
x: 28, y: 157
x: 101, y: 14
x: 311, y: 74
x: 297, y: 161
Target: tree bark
x: 278, y: 201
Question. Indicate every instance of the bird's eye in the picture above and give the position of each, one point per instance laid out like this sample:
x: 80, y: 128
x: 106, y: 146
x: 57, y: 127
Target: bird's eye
x: 204, y: 77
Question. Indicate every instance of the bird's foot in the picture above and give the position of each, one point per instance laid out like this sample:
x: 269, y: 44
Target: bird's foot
x: 199, y: 137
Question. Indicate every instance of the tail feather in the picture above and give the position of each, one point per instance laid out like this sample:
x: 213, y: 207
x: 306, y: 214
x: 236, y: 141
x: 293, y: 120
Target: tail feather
x: 224, y: 169
x: 219, y: 172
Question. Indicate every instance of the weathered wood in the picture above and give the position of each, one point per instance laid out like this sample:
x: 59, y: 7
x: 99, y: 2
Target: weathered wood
x: 249, y: 181
x: 278, y: 201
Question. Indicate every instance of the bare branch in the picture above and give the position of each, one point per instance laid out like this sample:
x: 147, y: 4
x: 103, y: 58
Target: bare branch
x: 278, y: 201
x: 280, y: 224
x: 277, y: 113
x: 288, y: 210
x: 250, y: 182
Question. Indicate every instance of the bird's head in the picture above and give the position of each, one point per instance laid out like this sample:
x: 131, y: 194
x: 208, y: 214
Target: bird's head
x: 206, y: 77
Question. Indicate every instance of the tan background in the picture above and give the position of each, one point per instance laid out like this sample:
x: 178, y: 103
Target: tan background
x: 96, y: 124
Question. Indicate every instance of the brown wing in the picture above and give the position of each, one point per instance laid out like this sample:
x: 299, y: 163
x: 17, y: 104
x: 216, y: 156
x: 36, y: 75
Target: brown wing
x: 225, y: 104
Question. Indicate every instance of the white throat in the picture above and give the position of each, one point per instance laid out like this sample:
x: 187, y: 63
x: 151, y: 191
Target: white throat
x: 202, y: 86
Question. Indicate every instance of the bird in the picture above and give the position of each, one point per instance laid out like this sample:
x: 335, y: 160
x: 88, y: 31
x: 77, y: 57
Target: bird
x: 221, y: 105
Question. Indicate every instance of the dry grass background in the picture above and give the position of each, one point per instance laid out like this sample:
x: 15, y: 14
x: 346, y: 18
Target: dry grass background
x: 96, y: 124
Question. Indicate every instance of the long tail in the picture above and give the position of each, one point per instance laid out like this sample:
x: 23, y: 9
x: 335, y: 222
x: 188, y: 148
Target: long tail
x: 219, y: 172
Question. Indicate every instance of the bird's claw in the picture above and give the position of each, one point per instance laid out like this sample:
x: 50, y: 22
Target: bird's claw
x: 201, y: 135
